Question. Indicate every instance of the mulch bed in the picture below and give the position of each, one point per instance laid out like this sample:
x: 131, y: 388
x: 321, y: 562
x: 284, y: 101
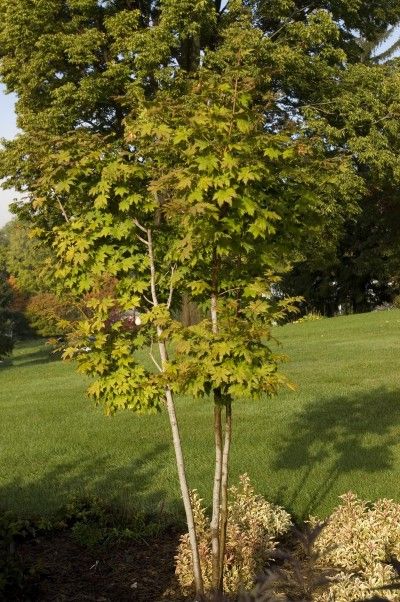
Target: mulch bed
x: 138, y: 571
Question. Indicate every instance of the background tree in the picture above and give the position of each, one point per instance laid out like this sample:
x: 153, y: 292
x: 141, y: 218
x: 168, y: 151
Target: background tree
x: 28, y: 264
x: 27, y: 258
x: 356, y: 264
x: 12, y: 301
x: 6, y: 321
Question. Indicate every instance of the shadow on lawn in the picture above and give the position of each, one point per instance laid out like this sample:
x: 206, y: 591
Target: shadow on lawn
x: 353, y: 433
x: 129, y: 488
x: 31, y: 358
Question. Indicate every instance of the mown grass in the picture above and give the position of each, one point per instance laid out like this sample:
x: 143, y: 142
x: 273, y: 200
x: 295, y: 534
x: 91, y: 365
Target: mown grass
x: 339, y: 430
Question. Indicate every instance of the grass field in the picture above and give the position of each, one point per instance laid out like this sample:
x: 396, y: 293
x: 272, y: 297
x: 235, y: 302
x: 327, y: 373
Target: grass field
x: 339, y: 430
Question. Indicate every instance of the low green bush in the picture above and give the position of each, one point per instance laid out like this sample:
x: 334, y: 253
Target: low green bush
x: 16, y: 579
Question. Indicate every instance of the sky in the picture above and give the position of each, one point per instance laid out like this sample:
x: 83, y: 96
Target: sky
x: 8, y: 129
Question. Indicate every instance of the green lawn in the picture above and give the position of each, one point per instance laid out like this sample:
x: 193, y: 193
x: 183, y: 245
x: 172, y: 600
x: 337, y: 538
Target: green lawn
x: 339, y: 430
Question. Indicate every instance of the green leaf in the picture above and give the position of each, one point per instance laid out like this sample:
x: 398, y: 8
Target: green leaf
x: 225, y: 195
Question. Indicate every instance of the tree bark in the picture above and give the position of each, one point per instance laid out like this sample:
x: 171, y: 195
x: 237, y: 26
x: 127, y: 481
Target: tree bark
x: 190, y: 313
x: 216, y: 510
x: 216, y: 507
x: 224, y: 490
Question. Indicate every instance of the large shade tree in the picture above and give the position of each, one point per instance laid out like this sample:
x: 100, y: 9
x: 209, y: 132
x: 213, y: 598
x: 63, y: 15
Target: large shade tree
x: 188, y: 148
x: 357, y: 266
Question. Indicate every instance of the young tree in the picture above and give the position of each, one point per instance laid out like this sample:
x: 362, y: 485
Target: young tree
x: 184, y: 148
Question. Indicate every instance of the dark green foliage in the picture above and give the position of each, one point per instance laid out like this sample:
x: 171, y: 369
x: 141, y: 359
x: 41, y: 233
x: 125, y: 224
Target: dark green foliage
x: 6, y: 318
x: 93, y: 522
x: 359, y: 271
x: 16, y: 579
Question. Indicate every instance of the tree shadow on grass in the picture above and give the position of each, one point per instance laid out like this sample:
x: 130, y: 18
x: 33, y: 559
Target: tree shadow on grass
x: 348, y: 433
x: 115, y: 532
x: 30, y: 358
x: 134, y: 484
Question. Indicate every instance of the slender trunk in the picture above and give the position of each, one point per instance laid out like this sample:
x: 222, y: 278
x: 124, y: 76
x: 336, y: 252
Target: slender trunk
x: 216, y: 509
x: 215, y: 519
x: 190, y: 313
x: 214, y: 315
x: 224, y: 490
x: 198, y: 578
x: 180, y: 462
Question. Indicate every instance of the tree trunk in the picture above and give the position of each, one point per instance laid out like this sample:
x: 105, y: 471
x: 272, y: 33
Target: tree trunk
x: 190, y: 313
x: 180, y: 462
x: 224, y: 490
x: 216, y: 507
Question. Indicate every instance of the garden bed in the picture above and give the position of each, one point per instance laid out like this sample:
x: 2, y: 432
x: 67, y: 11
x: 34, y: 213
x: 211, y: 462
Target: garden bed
x: 63, y: 569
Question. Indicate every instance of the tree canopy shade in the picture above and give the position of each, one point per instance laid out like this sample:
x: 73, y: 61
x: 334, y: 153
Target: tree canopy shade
x: 181, y: 148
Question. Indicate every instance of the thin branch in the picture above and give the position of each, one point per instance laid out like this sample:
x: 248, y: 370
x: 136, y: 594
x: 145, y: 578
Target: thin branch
x: 235, y: 94
x: 152, y: 268
x: 229, y: 290
x: 386, y: 53
x: 153, y: 358
x: 137, y: 223
x: 289, y: 20
x: 384, y: 118
x: 63, y: 210
x: 171, y: 287
x: 145, y: 242
x: 148, y: 300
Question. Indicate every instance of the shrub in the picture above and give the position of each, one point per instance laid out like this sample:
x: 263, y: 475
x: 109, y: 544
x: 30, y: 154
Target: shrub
x: 92, y: 522
x: 352, y: 557
x: 17, y: 581
x: 360, y: 541
x: 253, y: 527
x: 310, y: 317
x: 396, y: 302
x: 50, y: 316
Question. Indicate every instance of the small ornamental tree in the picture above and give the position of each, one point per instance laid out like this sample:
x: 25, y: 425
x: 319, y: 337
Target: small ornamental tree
x: 236, y: 189
x: 184, y: 149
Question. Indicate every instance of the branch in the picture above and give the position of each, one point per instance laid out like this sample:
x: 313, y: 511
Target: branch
x: 153, y: 358
x: 386, y: 53
x: 137, y: 223
x: 63, y: 210
x: 171, y: 287
x: 148, y: 300
x: 145, y: 242
x: 152, y: 268
x: 290, y: 18
x: 229, y: 290
x: 389, y: 116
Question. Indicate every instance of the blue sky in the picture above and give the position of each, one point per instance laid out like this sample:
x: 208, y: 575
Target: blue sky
x: 8, y: 129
